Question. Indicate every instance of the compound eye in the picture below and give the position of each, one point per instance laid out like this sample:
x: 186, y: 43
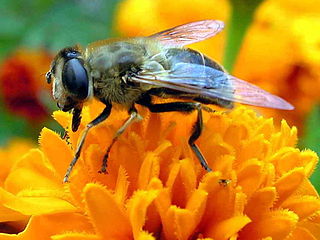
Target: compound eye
x: 75, y: 78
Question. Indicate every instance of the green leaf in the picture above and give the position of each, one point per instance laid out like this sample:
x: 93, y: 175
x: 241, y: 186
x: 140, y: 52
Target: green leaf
x: 242, y: 12
x: 311, y: 139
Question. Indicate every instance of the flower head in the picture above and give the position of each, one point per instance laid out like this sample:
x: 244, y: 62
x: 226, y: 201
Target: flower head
x: 155, y: 187
x: 22, y: 82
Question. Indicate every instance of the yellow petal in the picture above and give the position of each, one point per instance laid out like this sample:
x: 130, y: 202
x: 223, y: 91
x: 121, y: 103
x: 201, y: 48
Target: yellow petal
x: 303, y: 206
x: 32, y: 172
x: 188, y: 176
x: 63, y: 118
x: 288, y: 158
x: 45, y: 226
x: 122, y: 185
x: 277, y: 225
x: 179, y: 223
x: 7, y: 214
x: 227, y: 228
x: 150, y: 168
x: 260, y: 202
x: 289, y: 183
x: 145, y: 236
x: 137, y: 209
x: 35, y: 202
x: 197, y: 203
x: 51, y: 143
x: 106, y: 213
x: 250, y: 176
x: 76, y: 236
x: 302, y: 233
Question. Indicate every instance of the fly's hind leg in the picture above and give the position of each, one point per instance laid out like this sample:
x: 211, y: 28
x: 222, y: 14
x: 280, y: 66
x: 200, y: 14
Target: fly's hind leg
x: 186, y: 107
x: 133, y: 117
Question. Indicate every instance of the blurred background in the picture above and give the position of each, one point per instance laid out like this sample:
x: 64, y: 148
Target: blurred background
x: 273, y: 43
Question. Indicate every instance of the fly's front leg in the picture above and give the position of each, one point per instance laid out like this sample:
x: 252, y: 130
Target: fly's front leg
x: 183, y: 107
x: 133, y: 117
x: 103, y: 116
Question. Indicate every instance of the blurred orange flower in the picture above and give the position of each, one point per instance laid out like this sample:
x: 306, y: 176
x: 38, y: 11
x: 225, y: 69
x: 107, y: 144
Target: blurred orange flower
x: 156, y: 188
x: 22, y: 82
x: 280, y: 52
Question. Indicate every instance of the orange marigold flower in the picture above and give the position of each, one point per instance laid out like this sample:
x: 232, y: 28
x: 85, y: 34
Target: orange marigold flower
x: 22, y: 83
x: 155, y: 187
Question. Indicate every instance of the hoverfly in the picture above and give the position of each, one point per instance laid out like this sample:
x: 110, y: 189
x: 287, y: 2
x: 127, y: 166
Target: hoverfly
x: 135, y: 70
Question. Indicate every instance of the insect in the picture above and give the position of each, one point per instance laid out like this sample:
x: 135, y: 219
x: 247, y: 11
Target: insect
x: 136, y: 70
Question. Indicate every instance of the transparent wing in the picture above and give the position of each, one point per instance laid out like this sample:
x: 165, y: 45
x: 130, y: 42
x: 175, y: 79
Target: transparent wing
x: 189, y: 33
x: 207, y: 81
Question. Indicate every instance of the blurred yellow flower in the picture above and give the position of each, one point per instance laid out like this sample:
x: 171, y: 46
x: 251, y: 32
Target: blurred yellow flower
x: 22, y: 83
x: 145, y: 17
x: 155, y: 187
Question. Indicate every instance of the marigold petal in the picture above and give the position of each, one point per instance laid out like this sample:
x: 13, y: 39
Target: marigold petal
x: 250, y: 176
x: 105, y: 212
x: 228, y: 227
x: 7, y: 214
x: 289, y: 183
x: 50, y: 143
x: 277, y: 224
x: 288, y: 158
x: 302, y: 233
x: 222, y: 207
x: 145, y: 236
x: 303, y: 206
x: 137, y: 209
x: 260, y: 202
x: 255, y: 147
x: 32, y: 172
x: 76, y: 236
x: 188, y: 176
x: 197, y: 205
x: 122, y: 185
x: 63, y: 118
x: 235, y: 133
x: 179, y: 223
x: 35, y: 202
x: 149, y: 168
x: 45, y: 226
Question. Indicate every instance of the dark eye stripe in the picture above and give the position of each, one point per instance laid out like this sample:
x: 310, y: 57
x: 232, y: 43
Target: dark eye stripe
x: 75, y: 78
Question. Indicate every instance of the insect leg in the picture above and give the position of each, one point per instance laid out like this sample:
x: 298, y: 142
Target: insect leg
x: 103, y: 116
x: 183, y: 107
x: 133, y: 116
x: 76, y: 118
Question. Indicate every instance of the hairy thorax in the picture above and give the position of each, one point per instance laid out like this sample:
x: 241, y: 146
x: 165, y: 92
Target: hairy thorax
x: 110, y: 67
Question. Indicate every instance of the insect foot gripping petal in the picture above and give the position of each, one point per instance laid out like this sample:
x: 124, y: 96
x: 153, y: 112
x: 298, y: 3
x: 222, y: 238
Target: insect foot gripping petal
x: 197, y: 130
x: 134, y: 116
x: 186, y: 107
